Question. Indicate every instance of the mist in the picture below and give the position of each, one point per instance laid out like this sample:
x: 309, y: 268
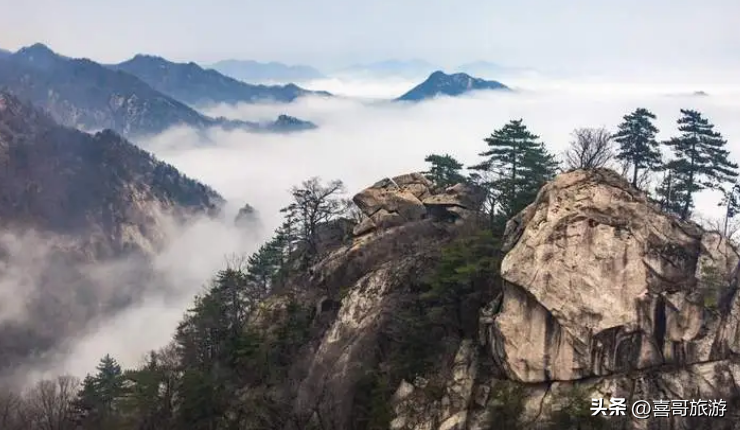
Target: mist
x: 360, y: 140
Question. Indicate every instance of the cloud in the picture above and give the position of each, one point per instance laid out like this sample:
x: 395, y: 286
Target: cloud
x: 360, y: 142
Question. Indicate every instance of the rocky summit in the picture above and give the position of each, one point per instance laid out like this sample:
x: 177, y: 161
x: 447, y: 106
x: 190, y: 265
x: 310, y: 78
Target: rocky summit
x: 601, y: 294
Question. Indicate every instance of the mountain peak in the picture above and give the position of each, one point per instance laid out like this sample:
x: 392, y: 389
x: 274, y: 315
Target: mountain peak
x: 440, y: 83
x: 38, y: 54
x: 37, y: 48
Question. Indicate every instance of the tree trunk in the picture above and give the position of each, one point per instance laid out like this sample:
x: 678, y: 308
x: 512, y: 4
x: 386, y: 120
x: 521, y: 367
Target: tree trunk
x: 634, y: 176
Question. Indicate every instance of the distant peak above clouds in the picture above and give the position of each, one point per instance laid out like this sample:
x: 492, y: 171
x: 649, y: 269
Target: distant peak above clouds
x: 440, y: 83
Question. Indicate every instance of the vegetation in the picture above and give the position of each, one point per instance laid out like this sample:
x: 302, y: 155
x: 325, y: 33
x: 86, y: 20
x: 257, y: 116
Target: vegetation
x: 445, y: 170
x: 514, y: 168
x: 506, y: 406
x: 700, y: 162
x: 638, y: 148
x: 574, y: 413
x: 590, y: 148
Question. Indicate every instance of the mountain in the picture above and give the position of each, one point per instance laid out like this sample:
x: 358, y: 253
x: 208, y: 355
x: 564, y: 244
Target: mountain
x: 192, y: 84
x: 75, y: 201
x: 421, y: 315
x: 439, y: 83
x: 4, y: 53
x: 83, y: 94
x: 253, y: 71
x: 410, y: 69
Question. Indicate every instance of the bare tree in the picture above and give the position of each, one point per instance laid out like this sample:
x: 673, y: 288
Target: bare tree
x: 728, y: 228
x: 48, y: 405
x: 313, y: 204
x: 590, y: 148
x: 10, y: 410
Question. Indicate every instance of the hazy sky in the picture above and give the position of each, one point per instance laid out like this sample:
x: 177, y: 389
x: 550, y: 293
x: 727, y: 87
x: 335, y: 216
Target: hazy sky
x: 628, y: 35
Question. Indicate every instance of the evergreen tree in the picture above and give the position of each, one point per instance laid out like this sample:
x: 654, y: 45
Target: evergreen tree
x: 444, y: 170
x: 671, y: 192
x: 637, y: 145
x: 517, y: 165
x: 100, y: 393
x: 701, y: 160
x: 731, y: 202
x: 264, y: 266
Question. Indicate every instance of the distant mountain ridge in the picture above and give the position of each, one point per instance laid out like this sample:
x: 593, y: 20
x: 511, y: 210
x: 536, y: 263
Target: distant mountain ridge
x: 83, y: 94
x: 440, y: 83
x: 194, y: 85
x: 257, y: 72
x: 410, y: 69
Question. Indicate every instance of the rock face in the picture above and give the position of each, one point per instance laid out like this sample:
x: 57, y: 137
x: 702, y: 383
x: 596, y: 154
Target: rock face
x: 598, y: 282
x: 603, y: 294
x: 395, y: 201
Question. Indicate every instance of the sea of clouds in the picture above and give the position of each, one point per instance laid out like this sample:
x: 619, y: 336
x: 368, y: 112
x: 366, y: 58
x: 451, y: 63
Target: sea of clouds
x: 362, y: 137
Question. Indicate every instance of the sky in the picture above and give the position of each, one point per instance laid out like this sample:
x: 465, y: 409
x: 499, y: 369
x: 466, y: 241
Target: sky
x: 616, y: 36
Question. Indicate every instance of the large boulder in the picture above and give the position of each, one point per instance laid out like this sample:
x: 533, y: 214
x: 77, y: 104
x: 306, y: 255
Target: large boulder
x: 598, y: 281
x: 392, y: 202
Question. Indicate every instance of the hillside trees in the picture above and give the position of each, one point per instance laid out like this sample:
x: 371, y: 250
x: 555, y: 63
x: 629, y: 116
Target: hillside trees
x: 700, y: 162
x: 514, y: 168
x: 638, y: 148
x: 314, y: 204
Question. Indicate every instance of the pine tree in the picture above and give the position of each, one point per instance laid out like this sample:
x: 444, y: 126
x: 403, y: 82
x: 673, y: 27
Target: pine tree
x: 100, y: 393
x: 701, y: 162
x: 637, y: 145
x: 731, y: 202
x: 671, y: 192
x: 444, y: 170
x: 516, y: 166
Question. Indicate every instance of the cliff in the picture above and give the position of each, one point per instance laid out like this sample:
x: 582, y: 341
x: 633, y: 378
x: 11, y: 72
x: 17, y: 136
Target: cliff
x: 600, y: 295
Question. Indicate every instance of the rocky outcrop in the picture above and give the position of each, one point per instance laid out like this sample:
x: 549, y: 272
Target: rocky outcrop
x: 599, y: 281
x: 604, y: 296
x: 395, y: 201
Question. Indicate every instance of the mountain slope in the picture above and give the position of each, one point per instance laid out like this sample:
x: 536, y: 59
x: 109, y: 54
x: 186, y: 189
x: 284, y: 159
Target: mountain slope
x: 83, y: 94
x: 75, y: 201
x: 96, y: 171
x: 254, y: 71
x: 194, y: 85
x: 440, y: 83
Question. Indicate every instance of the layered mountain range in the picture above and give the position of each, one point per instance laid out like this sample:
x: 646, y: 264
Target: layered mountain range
x: 84, y: 94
